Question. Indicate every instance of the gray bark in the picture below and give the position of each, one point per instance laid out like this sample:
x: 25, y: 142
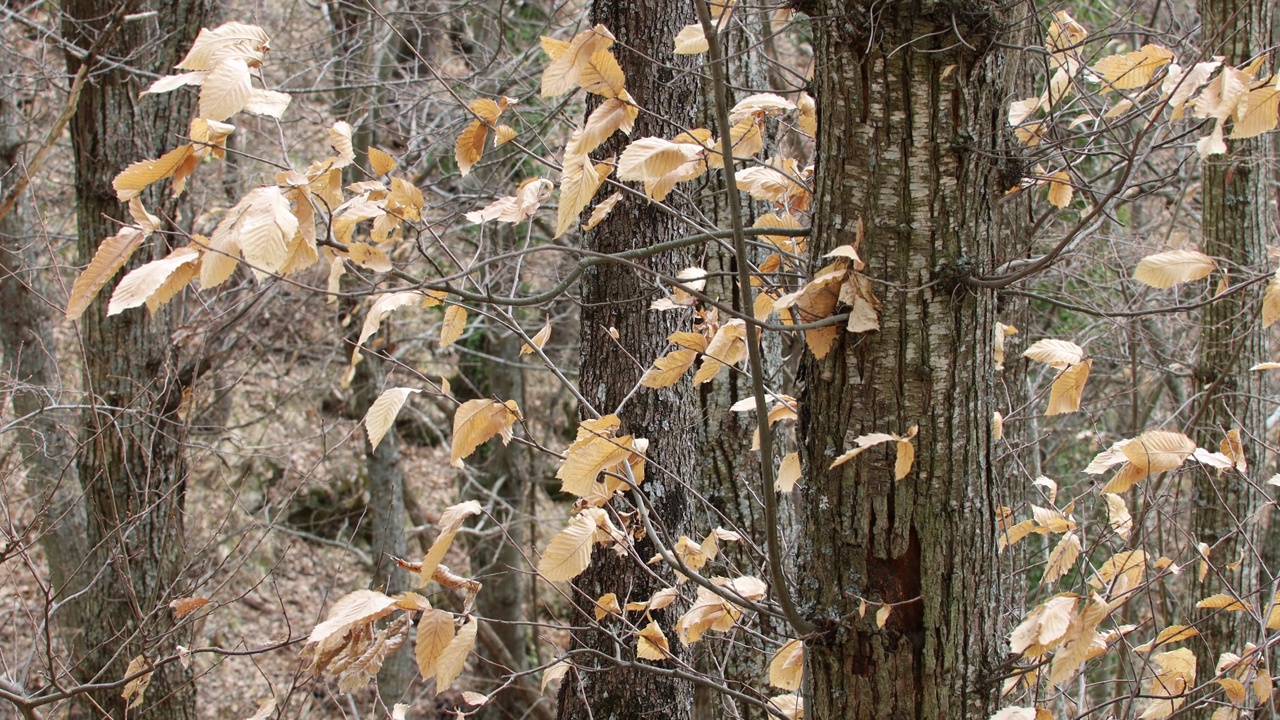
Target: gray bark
x: 131, y: 463
x: 915, y: 153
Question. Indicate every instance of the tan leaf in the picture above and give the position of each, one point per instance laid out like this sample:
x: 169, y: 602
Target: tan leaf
x: 455, y: 322
x: 503, y: 134
x: 226, y: 89
x: 786, y: 668
x: 906, y: 457
x: 1015, y: 713
x: 354, y: 608
x: 567, y: 59
x: 476, y: 421
x: 607, y: 604
x: 1062, y: 558
x: 649, y: 159
x: 268, y: 103
x: 382, y: 307
x: 1068, y: 389
x: 1158, y: 451
x: 553, y: 673
x: 368, y: 256
x: 1132, y: 70
x: 454, y: 656
x: 882, y: 615
x: 137, y: 687
x: 470, y: 146
x: 134, y: 179
x: 1224, y: 602
x: 184, y: 606
x: 382, y: 413
x: 727, y: 347
x: 140, y: 284
x: 1060, y: 190
x: 1057, y: 353
x: 668, y: 369
x: 788, y: 473
x: 1118, y: 514
x: 579, y: 180
x: 569, y: 552
x: 602, y: 75
x: 1168, y: 636
x: 767, y: 103
x: 538, y: 340
x: 1261, y: 114
x: 691, y: 41
x: 380, y: 162
x: 229, y: 39
x: 265, y: 227
x: 652, y: 643
x: 435, y: 632
x: 1166, y: 269
x: 112, y: 254
x: 602, y: 210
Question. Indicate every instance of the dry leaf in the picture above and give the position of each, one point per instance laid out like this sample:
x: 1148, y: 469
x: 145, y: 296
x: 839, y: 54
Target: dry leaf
x: 788, y: 473
x: 455, y: 323
x: 137, y: 687
x: 454, y: 656
x: 786, y: 668
x: 1166, y: 269
x: 882, y: 615
x: 382, y: 413
x: 183, y: 607
x: 652, y: 644
x: 569, y: 552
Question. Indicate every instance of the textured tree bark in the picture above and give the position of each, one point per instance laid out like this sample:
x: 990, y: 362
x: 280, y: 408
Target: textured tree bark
x: 728, y: 469
x: 618, y: 297
x: 131, y: 463
x: 911, y: 143
x: 1237, y: 219
x: 30, y: 362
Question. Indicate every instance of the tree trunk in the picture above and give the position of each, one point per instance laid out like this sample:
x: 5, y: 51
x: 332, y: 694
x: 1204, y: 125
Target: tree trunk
x: 131, y: 463
x: 618, y: 298
x: 1237, y: 219
x: 30, y: 362
x: 911, y: 141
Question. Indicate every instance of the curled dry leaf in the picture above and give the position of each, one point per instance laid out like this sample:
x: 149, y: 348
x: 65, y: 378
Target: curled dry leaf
x: 137, y: 687
x: 538, y: 340
x: 183, y: 607
x: 652, y: 644
x: 786, y: 668
x: 556, y: 672
x: 450, y: 521
x: 788, y: 473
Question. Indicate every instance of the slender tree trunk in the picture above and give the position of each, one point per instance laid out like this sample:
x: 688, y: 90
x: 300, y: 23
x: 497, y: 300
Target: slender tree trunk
x: 911, y: 142
x: 1237, y: 221
x: 131, y: 463
x: 45, y: 444
x: 616, y: 299
x: 729, y: 470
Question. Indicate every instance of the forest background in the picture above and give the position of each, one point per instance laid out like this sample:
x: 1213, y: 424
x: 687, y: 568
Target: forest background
x: 403, y: 359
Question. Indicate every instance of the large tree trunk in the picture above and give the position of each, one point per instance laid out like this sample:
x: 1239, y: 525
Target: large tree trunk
x: 616, y: 297
x: 911, y: 140
x: 1237, y: 220
x: 131, y: 464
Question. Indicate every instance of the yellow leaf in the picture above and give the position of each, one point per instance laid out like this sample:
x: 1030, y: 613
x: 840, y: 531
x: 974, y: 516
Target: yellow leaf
x: 474, y: 698
x: 807, y: 115
x: 882, y: 615
x: 455, y: 322
x: 1118, y: 514
x: 569, y: 552
x: 1166, y: 269
x: 590, y: 456
x: 906, y: 457
x: 997, y: 426
x: 538, y: 340
x: 649, y: 159
x: 503, y: 134
x: 454, y: 656
x: 1168, y: 636
x: 568, y: 59
x: 450, y: 520
x: 1060, y: 190
x: 602, y: 210
x: 354, y: 608
x: 607, y: 604
x: 476, y: 421
x: 1068, y: 389
x: 579, y: 180
x: 668, y: 369
x: 1261, y: 114
x: 786, y: 668
x: 1132, y: 70
x: 788, y: 473
x: 601, y: 75
x: 1062, y: 558
x: 382, y: 413
x: 134, y: 179
x: 111, y: 255
x: 380, y: 162
x: 470, y: 146
x: 1224, y: 602
x: 727, y: 347
x: 1015, y: 533
x: 652, y: 644
x: 1273, y: 616
x: 435, y: 632
x: 142, y: 283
